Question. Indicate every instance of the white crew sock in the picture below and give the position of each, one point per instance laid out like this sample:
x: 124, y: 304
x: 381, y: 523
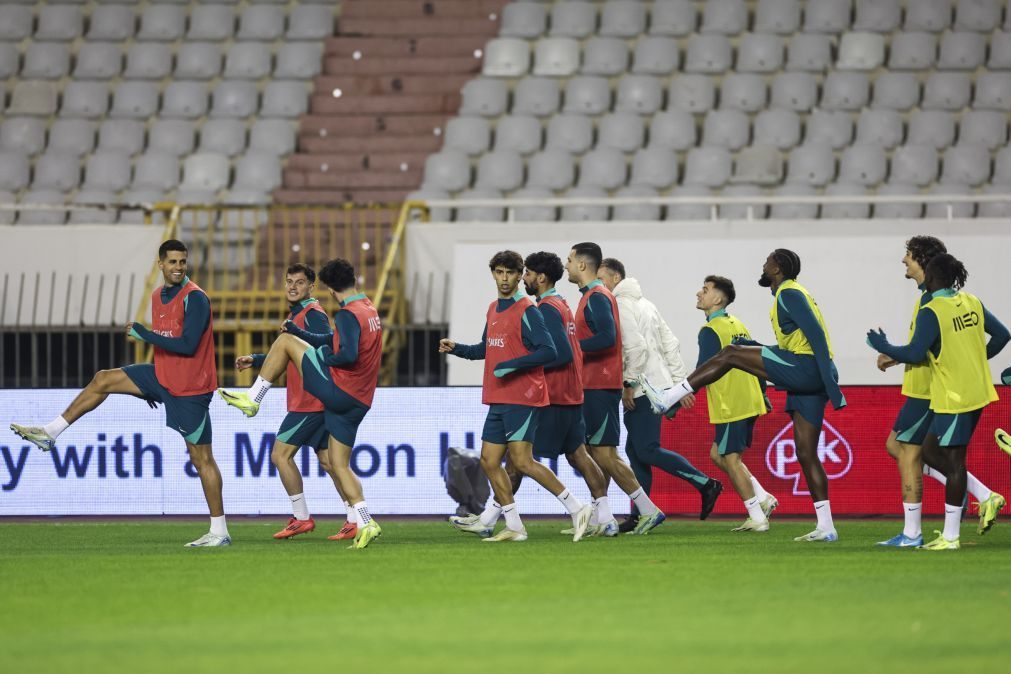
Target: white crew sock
x: 603, y: 509
x: 299, y: 507
x: 952, y: 522
x: 55, y: 427
x: 571, y: 503
x: 491, y: 513
x: 913, y: 514
x: 673, y: 396
x: 754, y: 506
x: 760, y: 492
x: 218, y: 526
x: 823, y: 511
x: 934, y: 473
x: 642, y: 502
x: 362, y: 511
x: 352, y: 518
x: 259, y: 389
x: 979, y: 491
x: 512, y: 517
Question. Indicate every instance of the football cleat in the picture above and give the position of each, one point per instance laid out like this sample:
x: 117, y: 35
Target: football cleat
x: 769, y: 504
x: 507, y: 534
x: 366, y: 535
x: 629, y: 524
x: 35, y: 435
x: 752, y: 525
x: 653, y: 394
x: 580, y: 521
x: 241, y: 401
x: 648, y: 523
x: 902, y: 541
x: 941, y: 543
x: 210, y: 540
x: 818, y: 536
x: 1003, y: 440
x: 347, y: 532
x: 608, y: 529
x: 988, y: 510
x: 471, y: 524
x: 296, y: 527
x: 710, y: 493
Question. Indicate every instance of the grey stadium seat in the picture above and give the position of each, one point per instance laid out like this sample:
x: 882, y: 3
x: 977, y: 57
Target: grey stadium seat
x: 637, y: 211
x: 198, y: 61
x: 573, y: 19
x: 928, y: 15
x: 86, y: 99
x: 825, y: 127
x: 551, y: 169
x: 538, y: 96
x: 605, y: 56
x: 931, y: 127
x: 556, y: 57
x: 880, y: 16
x: 14, y: 172
x: 135, y: 217
x: 797, y: 211
x: 709, y: 54
x: 247, y: 61
x: 471, y: 135
x: 162, y: 23
x: 743, y: 91
x: 672, y: 129
x: 506, y: 57
x: 707, y: 166
x: 758, y: 165
x: 285, y: 98
x: 587, y: 95
x: 233, y: 98
x: 642, y: 94
x: 148, y: 61
x: 59, y: 22
x: 9, y: 60
x: 656, y: 55
x: 689, y: 211
x: 863, y: 164
x: 827, y: 16
x: 809, y: 53
x: 518, y: 132
x: 983, y: 127
x: 205, y: 172
x: 993, y: 91
x: 524, y: 19
x: 726, y: 128
x: 794, y: 91
x: 121, y: 135
x: 779, y: 17
x: 500, y: 170
x: 534, y: 213
x: 946, y: 91
x: 223, y: 136
x: 299, y: 60
x: 957, y: 210
x: 914, y: 165
x: 211, y: 22
x: 694, y: 93
x: 272, y: 135
x: 479, y: 213
x: 185, y: 100
x: 811, y: 164
x: 15, y: 22
x: 622, y: 18
x: 111, y: 22
x: 845, y: 91
x: 1000, y: 51
x: 23, y: 134
x: 654, y: 167
x: 726, y: 17
x: 447, y: 170
x: 778, y: 127
x: 962, y: 51
x: 134, y: 100
x: 173, y: 136
x: 257, y: 170
x: 43, y: 196
x: 603, y: 167
x: 757, y: 53
x: 56, y: 171
x: 861, y: 51
x: 896, y: 91
x: 247, y: 196
x: 46, y: 61
x: 585, y: 212
x: 880, y: 127
x: 966, y: 165
x: 311, y: 22
x: 98, y: 61
x: 93, y: 216
x: 7, y: 217
x: 156, y: 170
x: 261, y: 22
x: 979, y: 15
x: 32, y: 98
x: 426, y: 193
x: 995, y: 209
x: 623, y: 131
x: 912, y: 51
x: 741, y: 211
x: 72, y: 136
x: 898, y: 210
x: 851, y: 210
x: 676, y: 18
x: 570, y: 132
x: 107, y: 171
x: 484, y: 96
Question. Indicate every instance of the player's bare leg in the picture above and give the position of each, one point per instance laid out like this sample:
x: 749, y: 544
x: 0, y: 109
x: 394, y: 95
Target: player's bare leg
x: 351, y: 488
x: 806, y: 435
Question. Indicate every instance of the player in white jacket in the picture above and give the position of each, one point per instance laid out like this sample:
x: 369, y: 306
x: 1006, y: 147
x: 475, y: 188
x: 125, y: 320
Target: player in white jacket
x: 650, y: 348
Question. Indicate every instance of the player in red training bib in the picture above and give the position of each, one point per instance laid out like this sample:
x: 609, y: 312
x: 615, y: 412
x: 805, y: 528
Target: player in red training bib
x: 343, y: 375
x: 183, y: 377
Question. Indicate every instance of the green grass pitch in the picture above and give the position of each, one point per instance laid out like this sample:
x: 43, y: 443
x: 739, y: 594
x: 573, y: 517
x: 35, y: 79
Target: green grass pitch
x: 691, y: 596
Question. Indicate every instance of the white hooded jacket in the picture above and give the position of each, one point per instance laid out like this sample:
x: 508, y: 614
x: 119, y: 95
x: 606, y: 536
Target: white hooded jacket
x: 647, y: 344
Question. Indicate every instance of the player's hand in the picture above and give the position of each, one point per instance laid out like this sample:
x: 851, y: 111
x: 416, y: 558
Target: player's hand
x: 628, y: 398
x: 152, y: 403
x: 129, y: 328
x: 885, y: 362
x: 446, y: 345
x: 688, y: 401
x: 243, y: 363
x: 284, y: 326
x: 877, y: 339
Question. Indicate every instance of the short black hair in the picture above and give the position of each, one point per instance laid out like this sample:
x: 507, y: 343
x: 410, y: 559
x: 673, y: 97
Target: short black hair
x: 615, y: 265
x: 923, y: 249
x: 171, y: 244
x: 338, y: 275
x: 724, y: 285
x: 788, y: 261
x: 545, y: 263
x: 590, y: 250
x: 947, y: 269
x: 509, y: 259
x: 302, y: 268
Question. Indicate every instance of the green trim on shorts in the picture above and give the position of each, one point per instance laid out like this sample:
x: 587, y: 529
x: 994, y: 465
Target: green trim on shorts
x: 599, y: 435
x: 950, y: 432
x: 767, y: 353
x: 314, y: 358
x: 195, y: 435
x: 289, y: 434
x: 522, y: 431
x: 908, y: 434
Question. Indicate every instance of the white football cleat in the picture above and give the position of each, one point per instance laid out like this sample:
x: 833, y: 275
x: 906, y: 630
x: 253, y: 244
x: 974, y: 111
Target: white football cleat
x: 35, y: 435
x: 210, y: 540
x: 580, y: 521
x: 507, y: 534
x: 768, y: 504
x: 818, y: 536
x: 654, y: 395
x: 752, y: 525
x: 471, y: 524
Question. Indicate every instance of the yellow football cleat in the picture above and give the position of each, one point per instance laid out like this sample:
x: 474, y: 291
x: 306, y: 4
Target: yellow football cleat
x: 241, y: 401
x: 941, y: 543
x: 988, y: 510
x: 1003, y: 440
x: 366, y: 535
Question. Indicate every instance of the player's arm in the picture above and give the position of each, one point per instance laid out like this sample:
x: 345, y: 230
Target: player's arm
x: 600, y: 320
x: 926, y: 335
x: 797, y: 307
x: 349, y: 333
x: 538, y: 342
x: 556, y: 328
x: 196, y: 318
x: 317, y: 330
x: 466, y: 351
x: 671, y: 346
x: 998, y: 332
x: 633, y: 347
x: 709, y: 345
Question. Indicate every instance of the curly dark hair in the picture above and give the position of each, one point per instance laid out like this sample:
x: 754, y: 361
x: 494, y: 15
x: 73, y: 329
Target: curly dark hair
x: 948, y: 270
x: 338, y: 275
x: 545, y: 263
x: 509, y: 259
x: 923, y: 249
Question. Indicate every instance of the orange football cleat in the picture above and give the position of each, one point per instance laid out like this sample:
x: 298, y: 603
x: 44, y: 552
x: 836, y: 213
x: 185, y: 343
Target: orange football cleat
x: 296, y: 527
x: 348, y: 531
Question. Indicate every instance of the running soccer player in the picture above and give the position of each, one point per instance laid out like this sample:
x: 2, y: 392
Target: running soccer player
x: 342, y: 375
x: 801, y: 364
x: 950, y: 335
x: 598, y: 329
x: 183, y: 377
x: 735, y: 401
x: 910, y: 428
x: 649, y: 346
x: 304, y: 423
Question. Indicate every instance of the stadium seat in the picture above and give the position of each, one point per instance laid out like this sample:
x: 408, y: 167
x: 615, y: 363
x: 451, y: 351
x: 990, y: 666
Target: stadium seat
x: 111, y: 22
x: 56, y: 171
x: 638, y: 211
x: 914, y: 165
x: 59, y: 22
x: 537, y: 96
x: 533, y: 213
x: 148, y: 61
x: 501, y: 170
x: 778, y: 17
x: 987, y: 128
x: 863, y: 164
x: 729, y: 129
x: 173, y: 136
x: 424, y: 194
x: 622, y: 18
x: 693, y: 93
x: 742, y: 211
x: 185, y: 100
x: 689, y: 211
x: 778, y: 127
x: 107, y: 171
x: 656, y: 55
x: 795, y: 211
x: 570, y: 132
x: 896, y: 91
x: 15, y: 22
x: 978, y: 15
x: 247, y: 197
x: 758, y: 164
x: 587, y: 95
x: 834, y: 129
x: 794, y: 91
x: 523, y: 19
x: 257, y: 170
x: 284, y: 98
x: 946, y: 91
x: 572, y: 18
x: 672, y: 129
x: 931, y: 127
x: 551, y: 169
x: 585, y: 213
x: 14, y: 170
x: 845, y: 210
x: 707, y: 167
x: 845, y: 91
x: 211, y: 22
x: 675, y: 18
x: 827, y: 16
x: 518, y: 132
x: 485, y: 97
x: 32, y: 98
x: 9, y: 60
x: 624, y: 131
x: 447, y: 170
x: 879, y: 16
x: 43, y: 197
x: 133, y: 100
x: 758, y: 53
x: 162, y: 23
x: 261, y: 22
x: 506, y: 57
x: 993, y: 91
x: 223, y: 136
x: 1000, y: 51
x: 233, y: 98
x: 85, y: 99
x: 928, y: 15
x: 312, y: 22
x: 966, y: 165
x: 98, y: 61
x: 93, y: 216
x: 641, y: 94
x: 71, y: 136
x: 809, y: 53
x: 479, y: 213
x: 205, y: 172
x: 726, y: 17
x: 811, y: 163
x: 861, y: 51
x: 654, y: 167
x: 198, y: 61
x: 470, y: 135
x: 247, y: 61
x: 276, y: 136
x: 555, y: 57
x: 121, y: 135
x: 708, y: 54
x: 134, y: 217
x: 912, y: 51
x: 743, y: 91
x: 604, y: 56
x: 898, y: 210
x: 995, y: 209
x: 962, y: 51
x: 299, y: 60
x: 603, y: 167
x: 956, y: 210
x: 46, y: 61
x: 26, y: 135
x: 880, y: 127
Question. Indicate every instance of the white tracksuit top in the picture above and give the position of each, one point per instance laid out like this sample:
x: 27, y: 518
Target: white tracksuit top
x: 647, y: 344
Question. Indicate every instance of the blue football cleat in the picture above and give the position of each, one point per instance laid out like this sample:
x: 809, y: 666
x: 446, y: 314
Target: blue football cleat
x: 903, y: 541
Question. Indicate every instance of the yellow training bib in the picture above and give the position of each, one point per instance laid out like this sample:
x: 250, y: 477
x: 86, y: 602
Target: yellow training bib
x: 960, y: 375
x: 796, y: 341
x: 736, y: 395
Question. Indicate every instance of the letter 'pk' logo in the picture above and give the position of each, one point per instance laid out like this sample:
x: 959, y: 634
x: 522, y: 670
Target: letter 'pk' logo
x: 833, y: 451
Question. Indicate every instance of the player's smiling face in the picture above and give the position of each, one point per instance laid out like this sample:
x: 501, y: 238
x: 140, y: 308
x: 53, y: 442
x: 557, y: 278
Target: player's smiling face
x: 507, y: 280
x: 913, y: 269
x: 173, y: 267
x: 297, y: 287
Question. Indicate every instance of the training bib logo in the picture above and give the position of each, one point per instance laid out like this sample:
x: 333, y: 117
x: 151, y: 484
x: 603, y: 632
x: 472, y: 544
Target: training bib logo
x: 834, y: 452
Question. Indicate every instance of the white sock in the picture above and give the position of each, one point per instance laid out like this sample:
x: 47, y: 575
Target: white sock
x: 934, y: 473
x: 512, y: 517
x: 760, y: 492
x: 55, y: 427
x: 603, y: 509
x: 952, y: 522
x: 259, y: 389
x: 913, y: 514
x: 673, y: 396
x: 571, y: 503
x: 362, y: 511
x: 823, y: 511
x: 491, y: 513
x: 298, y: 507
x: 754, y: 506
x: 642, y: 502
x: 218, y: 526
x: 979, y: 491
x: 352, y: 518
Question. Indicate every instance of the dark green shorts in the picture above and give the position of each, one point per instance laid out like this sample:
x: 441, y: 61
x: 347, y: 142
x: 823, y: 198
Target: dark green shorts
x: 600, y: 416
x: 954, y: 430
x: 560, y: 430
x: 185, y: 414
x: 510, y: 423
x: 734, y: 437
x: 913, y: 422
x: 304, y: 429
x: 342, y: 413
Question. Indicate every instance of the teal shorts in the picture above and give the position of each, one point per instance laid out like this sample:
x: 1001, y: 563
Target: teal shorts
x: 342, y: 413
x: 560, y: 430
x: 304, y: 429
x: 734, y: 437
x: 914, y: 421
x: 600, y: 416
x: 954, y: 430
x: 798, y: 375
x: 510, y: 423
x: 187, y: 415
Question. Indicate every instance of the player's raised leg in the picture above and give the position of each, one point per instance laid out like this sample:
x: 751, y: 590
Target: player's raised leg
x: 285, y: 349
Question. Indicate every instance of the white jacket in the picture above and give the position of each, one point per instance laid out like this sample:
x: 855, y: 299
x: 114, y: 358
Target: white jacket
x: 647, y: 344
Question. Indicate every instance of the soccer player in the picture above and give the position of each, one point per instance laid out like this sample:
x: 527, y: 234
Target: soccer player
x: 910, y: 428
x: 950, y: 334
x: 304, y: 423
x: 515, y: 347
x: 598, y: 329
x: 649, y: 347
x: 183, y: 377
x: 735, y: 401
x: 801, y: 363
x: 342, y: 375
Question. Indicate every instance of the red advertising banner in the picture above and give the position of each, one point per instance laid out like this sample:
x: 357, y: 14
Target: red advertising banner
x: 863, y: 479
